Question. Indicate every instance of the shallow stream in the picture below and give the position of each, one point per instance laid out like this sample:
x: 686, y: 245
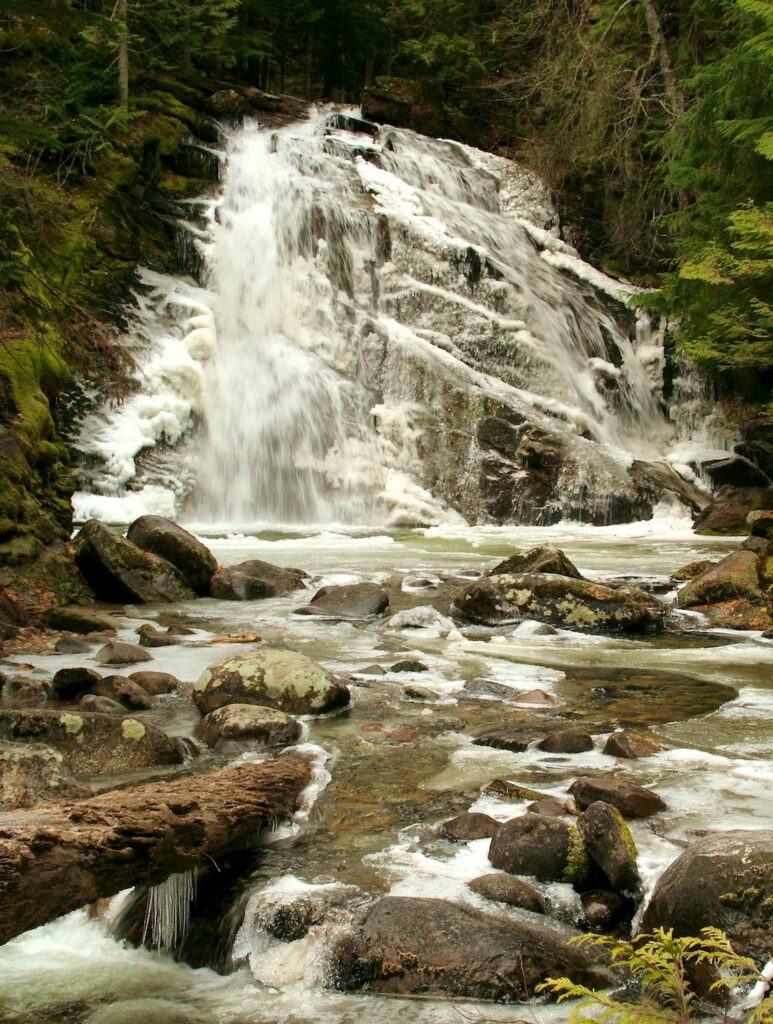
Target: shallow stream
x: 390, y: 768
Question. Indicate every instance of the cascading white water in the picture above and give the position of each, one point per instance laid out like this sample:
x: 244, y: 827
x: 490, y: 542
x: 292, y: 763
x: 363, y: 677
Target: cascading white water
x: 355, y: 284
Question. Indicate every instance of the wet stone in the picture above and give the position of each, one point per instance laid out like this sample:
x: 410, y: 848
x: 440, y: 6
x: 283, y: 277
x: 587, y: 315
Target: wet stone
x: 470, y: 826
x: 421, y: 693
x: 124, y: 691
x: 101, y: 705
x: 117, y: 652
x: 503, y: 741
x: 409, y: 665
x: 631, y: 744
x: 507, y: 889
x: 69, y: 682
x: 155, y: 683
x: 549, y: 805
x: 632, y: 801
x: 505, y: 790
x: 568, y: 741
x: 71, y: 645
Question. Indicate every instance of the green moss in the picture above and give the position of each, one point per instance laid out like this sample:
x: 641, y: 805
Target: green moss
x: 577, y: 860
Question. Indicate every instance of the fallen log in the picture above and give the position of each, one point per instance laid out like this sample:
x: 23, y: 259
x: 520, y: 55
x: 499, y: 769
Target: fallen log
x: 55, y: 859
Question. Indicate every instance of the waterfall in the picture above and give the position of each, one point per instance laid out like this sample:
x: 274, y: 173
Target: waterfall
x: 369, y: 297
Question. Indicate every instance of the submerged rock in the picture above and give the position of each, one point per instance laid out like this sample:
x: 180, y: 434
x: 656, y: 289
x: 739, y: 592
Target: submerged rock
x: 271, y: 677
x: 94, y: 744
x: 166, y: 539
x: 543, y: 559
x: 632, y: 801
x: 118, y: 570
x: 724, y: 881
x: 560, y: 600
x: 33, y: 773
x: 507, y: 889
x: 546, y: 847
x: 247, y: 725
x: 354, y: 601
x: 254, y: 579
x: 430, y: 947
x: 610, y: 844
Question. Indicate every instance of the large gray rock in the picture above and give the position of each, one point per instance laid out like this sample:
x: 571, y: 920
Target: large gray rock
x: 610, y: 844
x: 434, y: 947
x: 546, y: 847
x: 354, y: 601
x: 33, y: 773
x: 117, y: 570
x: 545, y: 559
x: 726, y: 881
x: 166, y: 539
x: 559, y: 600
x: 271, y: 677
x: 249, y: 581
x: 236, y: 726
x: 93, y: 744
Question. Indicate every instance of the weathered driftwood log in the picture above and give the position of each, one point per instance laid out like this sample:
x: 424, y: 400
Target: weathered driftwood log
x: 55, y: 859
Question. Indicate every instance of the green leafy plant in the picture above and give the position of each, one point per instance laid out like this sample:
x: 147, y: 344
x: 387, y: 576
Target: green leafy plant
x: 655, y: 970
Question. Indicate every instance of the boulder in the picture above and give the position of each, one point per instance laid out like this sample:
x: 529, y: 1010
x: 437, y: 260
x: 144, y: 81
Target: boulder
x: 69, y: 682
x: 470, y: 826
x: 93, y: 744
x: 354, y: 601
x: 735, y: 471
x: 118, y: 570
x: 507, y: 889
x: 433, y: 947
x: 72, y: 645
x: 124, y: 691
x: 171, y: 542
x: 543, y: 559
x: 693, y: 569
x: 33, y: 773
x: 288, y: 916
x: 249, y: 581
x: 238, y: 725
x: 610, y: 844
x: 117, y: 652
x: 409, y: 665
x: 603, y: 910
x: 516, y: 743
x: 151, y: 637
x: 571, y: 603
x: 724, y: 881
x: 534, y: 844
x: 734, y: 594
x: 760, y: 524
x: 78, y: 620
x: 347, y: 123
x: 155, y: 683
x: 271, y: 677
x: 631, y: 744
x: 21, y: 691
x: 632, y: 801
x: 101, y: 705
x: 421, y: 693
x: 728, y: 512
x: 567, y: 741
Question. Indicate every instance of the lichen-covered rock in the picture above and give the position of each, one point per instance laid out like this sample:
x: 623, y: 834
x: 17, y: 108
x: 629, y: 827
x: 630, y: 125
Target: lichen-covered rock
x: 724, y: 881
x: 249, y: 581
x: 431, y: 947
x: 118, y: 570
x: 693, y: 569
x: 33, y: 773
x: 728, y: 513
x: 93, y: 744
x: 571, y: 603
x: 544, y: 559
x: 507, y: 889
x: 271, y: 677
x: 610, y: 844
x: 166, y: 539
x: 632, y: 801
x: 353, y: 601
x: 534, y: 844
x: 631, y: 744
x: 247, y: 725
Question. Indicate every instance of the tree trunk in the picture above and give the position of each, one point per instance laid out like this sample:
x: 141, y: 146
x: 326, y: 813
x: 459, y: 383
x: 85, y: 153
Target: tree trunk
x: 123, y: 54
x: 674, y: 93
x: 57, y: 858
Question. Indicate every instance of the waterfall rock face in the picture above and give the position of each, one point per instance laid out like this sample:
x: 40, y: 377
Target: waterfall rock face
x: 391, y: 331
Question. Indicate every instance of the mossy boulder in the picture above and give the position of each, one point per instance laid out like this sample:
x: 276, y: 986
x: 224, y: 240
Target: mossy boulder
x: 271, y: 677
x: 93, y: 744
x: 728, y: 513
x: 166, y: 539
x: 559, y: 600
x: 33, y: 773
x: 433, y: 947
x: 610, y: 844
x: 118, y: 570
x: 536, y: 844
x: 78, y: 620
x: 723, y: 881
x: 237, y: 726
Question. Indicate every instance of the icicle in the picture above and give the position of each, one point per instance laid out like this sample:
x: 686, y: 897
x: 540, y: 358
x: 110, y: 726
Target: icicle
x: 168, y: 910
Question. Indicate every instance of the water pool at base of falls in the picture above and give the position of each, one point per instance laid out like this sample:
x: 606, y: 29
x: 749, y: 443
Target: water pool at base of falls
x: 390, y: 769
